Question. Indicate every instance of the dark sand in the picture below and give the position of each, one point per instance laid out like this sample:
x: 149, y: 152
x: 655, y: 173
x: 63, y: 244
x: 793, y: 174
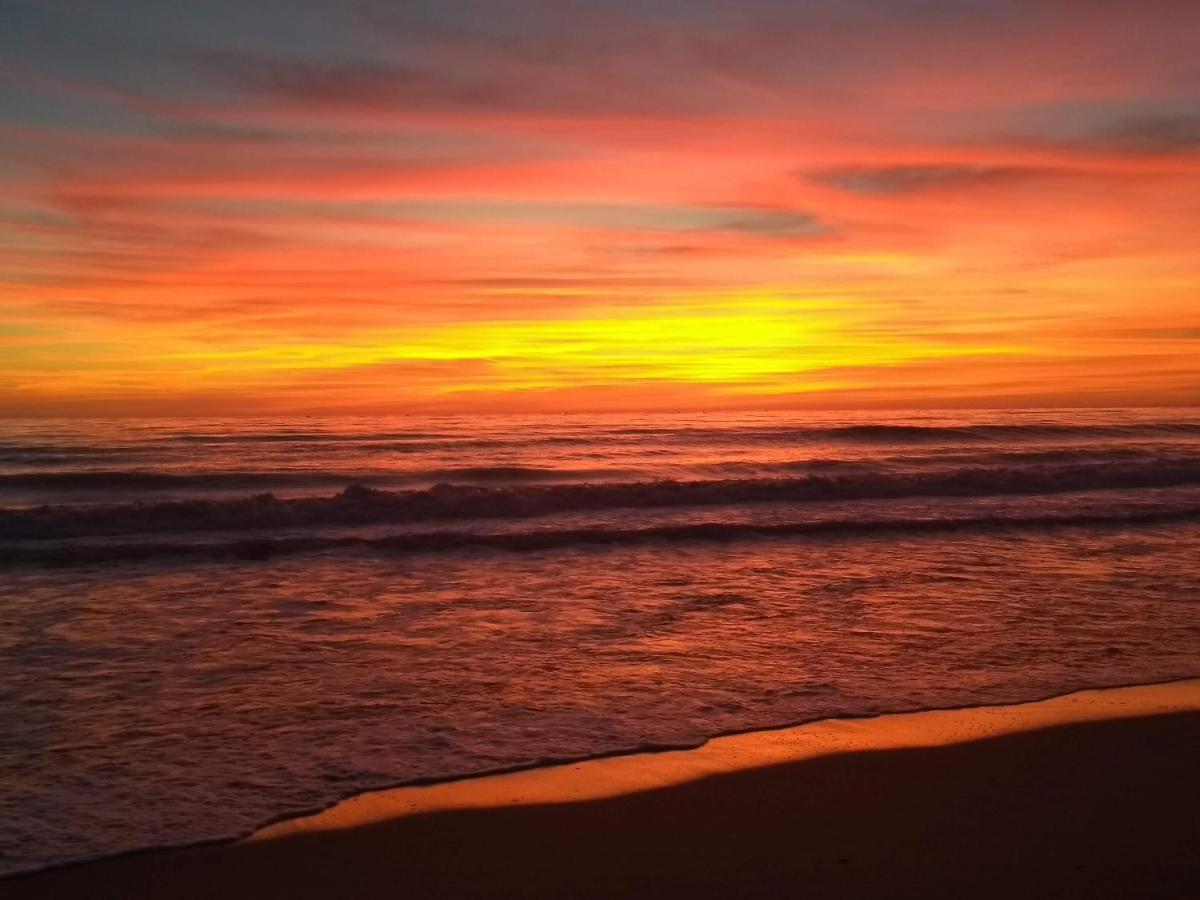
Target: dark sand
x: 1089, y: 809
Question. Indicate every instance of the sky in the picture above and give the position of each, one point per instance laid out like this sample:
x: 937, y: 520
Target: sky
x: 293, y: 206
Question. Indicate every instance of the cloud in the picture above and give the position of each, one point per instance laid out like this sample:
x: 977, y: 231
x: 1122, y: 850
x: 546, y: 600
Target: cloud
x: 359, y: 84
x: 1149, y: 135
x: 1090, y: 132
x: 455, y: 80
x: 1166, y: 333
x: 916, y: 179
x: 775, y: 223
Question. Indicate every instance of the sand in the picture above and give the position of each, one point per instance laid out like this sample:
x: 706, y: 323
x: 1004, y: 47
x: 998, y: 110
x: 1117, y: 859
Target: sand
x: 1095, y: 794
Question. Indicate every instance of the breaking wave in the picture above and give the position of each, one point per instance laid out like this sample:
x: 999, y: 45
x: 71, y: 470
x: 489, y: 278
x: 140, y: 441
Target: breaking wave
x: 362, y: 505
x: 519, y: 541
x: 133, y: 480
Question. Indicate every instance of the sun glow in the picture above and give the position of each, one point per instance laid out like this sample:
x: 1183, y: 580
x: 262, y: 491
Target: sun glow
x: 696, y: 212
x: 745, y: 344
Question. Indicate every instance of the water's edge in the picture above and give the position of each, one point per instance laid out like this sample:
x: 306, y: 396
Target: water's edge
x: 551, y: 762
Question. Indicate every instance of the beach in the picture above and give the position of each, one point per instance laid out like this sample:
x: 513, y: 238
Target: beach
x: 1093, y: 794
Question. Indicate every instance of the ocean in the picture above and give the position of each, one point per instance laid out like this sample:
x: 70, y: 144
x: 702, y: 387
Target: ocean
x: 207, y: 624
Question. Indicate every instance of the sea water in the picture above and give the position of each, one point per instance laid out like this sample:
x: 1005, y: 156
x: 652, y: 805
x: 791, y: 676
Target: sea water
x: 208, y: 624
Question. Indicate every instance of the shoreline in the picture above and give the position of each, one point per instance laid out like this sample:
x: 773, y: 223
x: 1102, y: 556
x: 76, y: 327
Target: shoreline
x: 579, y: 786
x: 625, y: 772
x: 409, y: 796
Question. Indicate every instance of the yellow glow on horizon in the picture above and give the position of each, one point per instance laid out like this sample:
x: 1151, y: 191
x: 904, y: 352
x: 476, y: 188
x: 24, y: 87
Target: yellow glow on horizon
x: 756, y: 343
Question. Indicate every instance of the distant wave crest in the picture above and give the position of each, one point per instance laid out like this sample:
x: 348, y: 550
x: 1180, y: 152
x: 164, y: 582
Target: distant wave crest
x: 933, y: 434
x: 930, y: 434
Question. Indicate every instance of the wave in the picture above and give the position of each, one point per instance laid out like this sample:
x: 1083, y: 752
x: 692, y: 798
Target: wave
x: 276, y: 437
x: 362, y: 505
x: 917, y: 434
x: 259, y: 549
x: 942, y: 458
x: 132, y: 480
x: 516, y: 473
x: 39, y: 455
x: 130, y: 464
x: 920, y: 434
x: 137, y: 479
x: 850, y: 433
x: 392, y: 442
x: 1070, y: 453
x: 66, y: 473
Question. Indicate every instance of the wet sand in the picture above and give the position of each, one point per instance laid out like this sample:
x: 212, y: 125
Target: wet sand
x: 1095, y: 794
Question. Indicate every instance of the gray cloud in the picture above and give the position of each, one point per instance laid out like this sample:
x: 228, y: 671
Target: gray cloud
x: 354, y: 84
x: 914, y: 179
x: 781, y: 223
x: 1150, y: 134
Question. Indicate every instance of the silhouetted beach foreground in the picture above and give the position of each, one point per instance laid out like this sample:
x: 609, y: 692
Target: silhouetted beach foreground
x: 1094, y: 794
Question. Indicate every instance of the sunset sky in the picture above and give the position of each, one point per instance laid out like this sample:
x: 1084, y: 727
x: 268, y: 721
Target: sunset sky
x: 302, y: 206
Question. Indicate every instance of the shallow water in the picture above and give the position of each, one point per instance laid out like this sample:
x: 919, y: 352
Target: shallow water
x: 251, y: 658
